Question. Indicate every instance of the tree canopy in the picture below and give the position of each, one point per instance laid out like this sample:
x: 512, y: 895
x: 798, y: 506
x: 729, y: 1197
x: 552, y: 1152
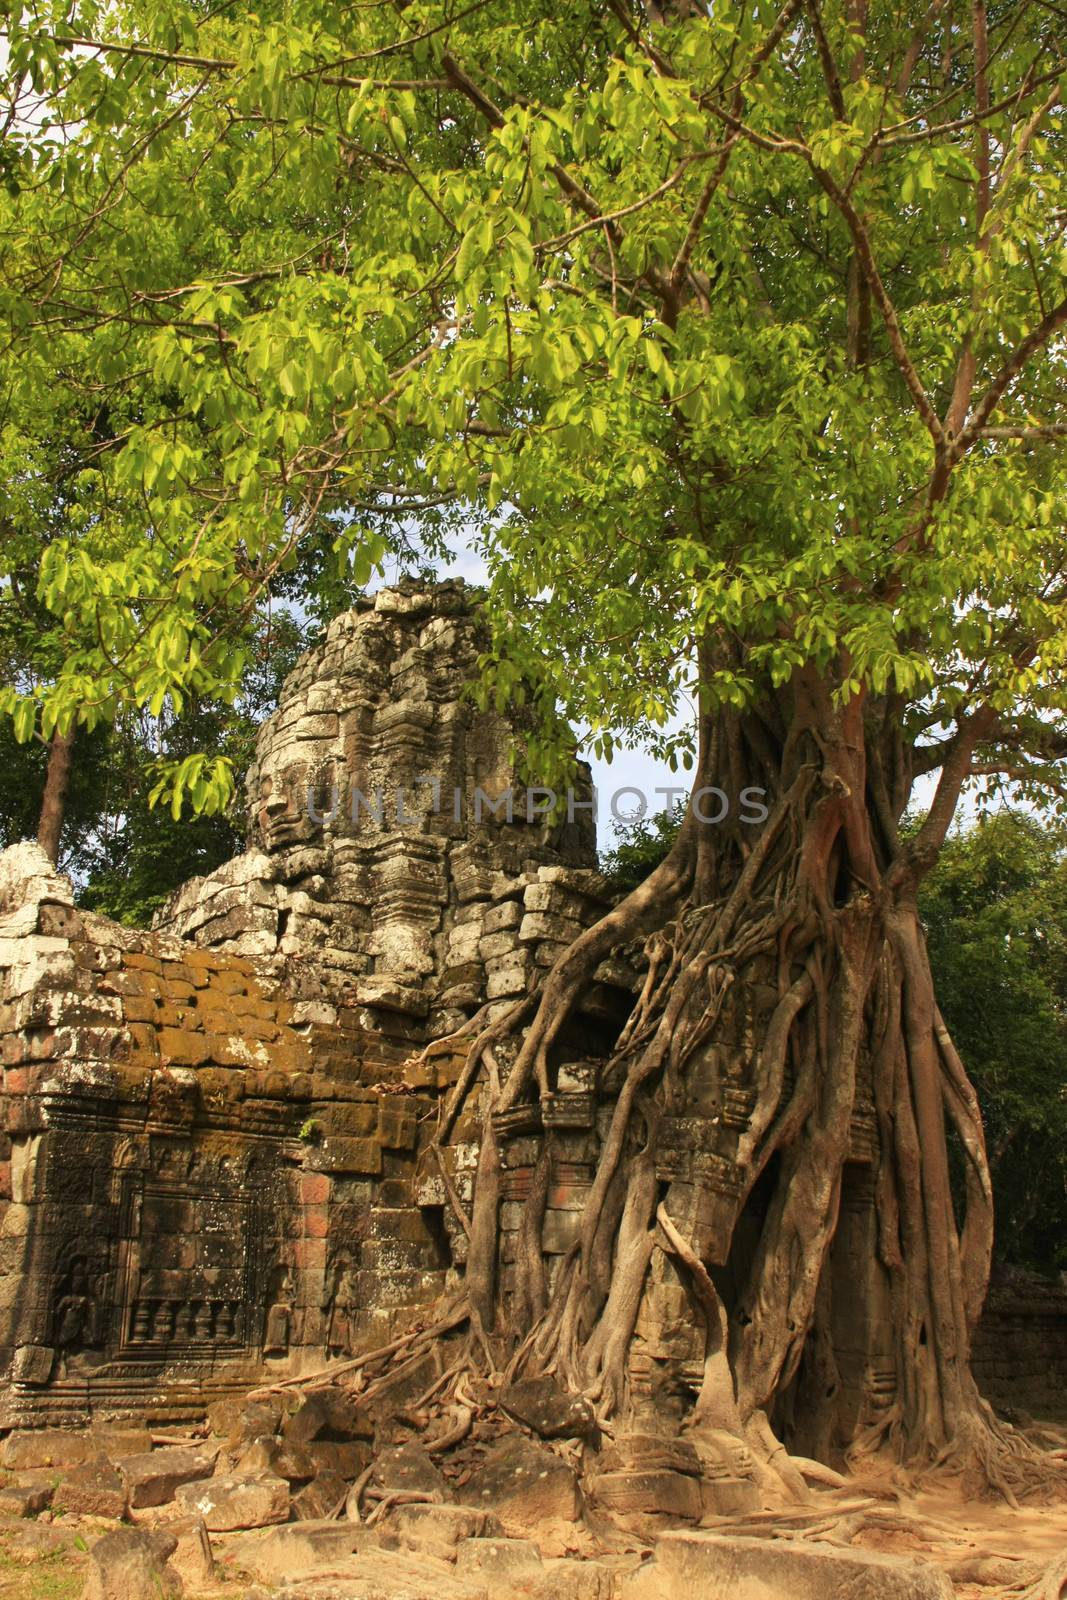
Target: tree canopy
x: 741, y: 324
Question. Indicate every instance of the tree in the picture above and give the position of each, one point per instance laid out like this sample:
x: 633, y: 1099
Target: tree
x: 995, y: 914
x: 742, y: 333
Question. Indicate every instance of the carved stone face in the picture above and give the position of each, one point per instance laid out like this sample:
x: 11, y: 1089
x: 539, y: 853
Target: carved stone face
x: 282, y: 817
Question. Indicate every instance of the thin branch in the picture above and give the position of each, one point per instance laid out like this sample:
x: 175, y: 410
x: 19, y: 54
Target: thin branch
x: 1049, y: 325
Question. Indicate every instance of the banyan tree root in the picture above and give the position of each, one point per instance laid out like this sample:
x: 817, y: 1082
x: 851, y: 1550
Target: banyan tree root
x: 807, y: 929
x: 816, y: 911
x: 1051, y: 1585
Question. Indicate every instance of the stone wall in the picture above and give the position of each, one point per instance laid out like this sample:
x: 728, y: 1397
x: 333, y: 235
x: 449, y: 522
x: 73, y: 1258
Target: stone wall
x: 214, y: 1133
x: 1020, y: 1345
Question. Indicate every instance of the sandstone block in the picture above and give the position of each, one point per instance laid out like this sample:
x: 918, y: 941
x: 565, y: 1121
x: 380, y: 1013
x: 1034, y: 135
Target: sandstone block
x: 338, y: 1154
x: 240, y: 1422
x: 227, y: 1504
x: 537, y: 925
x: 510, y: 981
x: 343, y: 1458
x: 574, y: 1580
x: 24, y: 1500
x: 95, y: 1490
x: 499, y: 1561
x: 525, y: 1484
x: 320, y: 1499
x: 328, y: 1414
x: 276, y: 1458
x: 48, y: 1447
x: 192, y: 1558
x: 440, y: 1529
x: 130, y: 1564
x: 154, y: 1478
x: 288, y: 1550
x: 742, y: 1569
x: 541, y: 1405
x: 670, y: 1494
x: 410, y: 1467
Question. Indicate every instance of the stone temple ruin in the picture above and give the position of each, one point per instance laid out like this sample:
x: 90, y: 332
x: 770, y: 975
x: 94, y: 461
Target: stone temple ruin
x: 214, y: 1129
x: 215, y: 1140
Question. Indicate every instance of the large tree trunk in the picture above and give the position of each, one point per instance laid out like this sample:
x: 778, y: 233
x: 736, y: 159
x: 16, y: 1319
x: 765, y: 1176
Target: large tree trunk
x: 54, y: 800
x: 783, y: 1097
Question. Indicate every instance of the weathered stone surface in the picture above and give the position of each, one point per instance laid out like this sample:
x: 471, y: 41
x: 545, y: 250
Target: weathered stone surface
x: 227, y: 1504
x: 386, y: 1575
x: 327, y: 1415
x: 241, y: 1422
x: 500, y: 1561
x: 567, y: 1579
x: 438, y: 1530
x: 344, y: 1457
x: 540, y: 1404
x: 321, y: 1498
x: 410, y: 1467
x: 130, y: 1564
x: 670, y: 1494
x: 24, y: 1500
x: 95, y: 1490
x: 294, y: 1548
x: 525, y: 1484
x: 763, y: 1569
x: 276, y: 1458
x: 153, y: 1479
x: 192, y: 1558
x: 48, y: 1447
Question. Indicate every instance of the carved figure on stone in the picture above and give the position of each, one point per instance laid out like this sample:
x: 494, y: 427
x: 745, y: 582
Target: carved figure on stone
x: 340, y: 1305
x: 279, y: 1313
x: 77, y: 1311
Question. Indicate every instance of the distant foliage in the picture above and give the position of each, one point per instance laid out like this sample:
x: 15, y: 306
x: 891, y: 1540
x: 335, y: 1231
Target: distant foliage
x: 995, y: 911
x: 125, y: 855
x: 641, y: 845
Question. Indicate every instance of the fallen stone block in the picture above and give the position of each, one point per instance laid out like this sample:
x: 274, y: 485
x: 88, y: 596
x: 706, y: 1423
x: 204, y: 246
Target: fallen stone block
x: 95, y: 1490
x: 321, y: 1498
x: 344, y: 1457
x: 499, y: 1561
x: 330, y: 1415
x: 192, y: 1558
x: 567, y: 1579
x: 48, y: 1447
x: 778, y: 1569
x: 24, y: 1500
x: 154, y: 1478
x: 240, y: 1421
x: 276, y: 1458
x: 541, y: 1405
x: 410, y: 1467
x: 438, y: 1530
x: 386, y: 1575
x: 295, y: 1548
x: 525, y: 1484
x: 130, y: 1564
x: 228, y: 1504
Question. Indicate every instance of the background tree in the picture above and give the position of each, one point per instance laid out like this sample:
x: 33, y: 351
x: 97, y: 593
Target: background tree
x: 742, y: 333
x: 995, y: 913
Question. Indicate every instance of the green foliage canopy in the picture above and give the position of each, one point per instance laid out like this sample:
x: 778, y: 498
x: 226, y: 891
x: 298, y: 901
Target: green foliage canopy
x: 743, y: 325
